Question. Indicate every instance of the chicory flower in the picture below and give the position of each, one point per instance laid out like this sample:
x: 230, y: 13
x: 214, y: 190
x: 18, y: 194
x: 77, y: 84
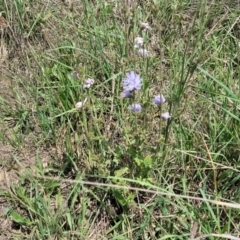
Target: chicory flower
x: 88, y: 83
x: 138, y: 42
x: 132, y: 82
x: 165, y: 116
x: 126, y: 94
x: 159, y: 99
x: 143, y: 52
x: 135, y: 107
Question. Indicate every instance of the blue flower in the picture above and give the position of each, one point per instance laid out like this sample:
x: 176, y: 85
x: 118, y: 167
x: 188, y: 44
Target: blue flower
x: 132, y: 82
x: 126, y: 94
x: 135, y: 107
x: 159, y: 99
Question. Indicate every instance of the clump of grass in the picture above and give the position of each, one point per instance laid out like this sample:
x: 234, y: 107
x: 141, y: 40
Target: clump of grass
x: 131, y: 111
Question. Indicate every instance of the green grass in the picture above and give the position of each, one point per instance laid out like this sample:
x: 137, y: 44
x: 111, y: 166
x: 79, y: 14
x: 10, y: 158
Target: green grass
x: 104, y: 172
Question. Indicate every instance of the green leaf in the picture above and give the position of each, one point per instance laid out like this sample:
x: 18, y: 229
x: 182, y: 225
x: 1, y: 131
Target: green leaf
x: 19, y: 219
x: 119, y: 197
x: 148, y: 161
x: 121, y: 172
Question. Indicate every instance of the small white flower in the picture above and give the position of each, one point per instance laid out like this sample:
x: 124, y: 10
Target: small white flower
x: 143, y: 52
x: 88, y: 83
x: 138, y: 42
x: 79, y: 105
x: 165, y: 116
x: 146, y: 26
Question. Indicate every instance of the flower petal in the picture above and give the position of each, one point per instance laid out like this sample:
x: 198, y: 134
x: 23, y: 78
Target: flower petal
x: 165, y: 116
x: 79, y: 105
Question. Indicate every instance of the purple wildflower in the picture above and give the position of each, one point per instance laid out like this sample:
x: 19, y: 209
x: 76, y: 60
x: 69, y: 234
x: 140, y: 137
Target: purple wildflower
x: 88, y: 83
x: 135, y: 107
x: 132, y: 82
x: 143, y: 52
x: 138, y: 42
x: 165, y: 116
x: 145, y: 26
x: 159, y: 99
x: 126, y: 94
